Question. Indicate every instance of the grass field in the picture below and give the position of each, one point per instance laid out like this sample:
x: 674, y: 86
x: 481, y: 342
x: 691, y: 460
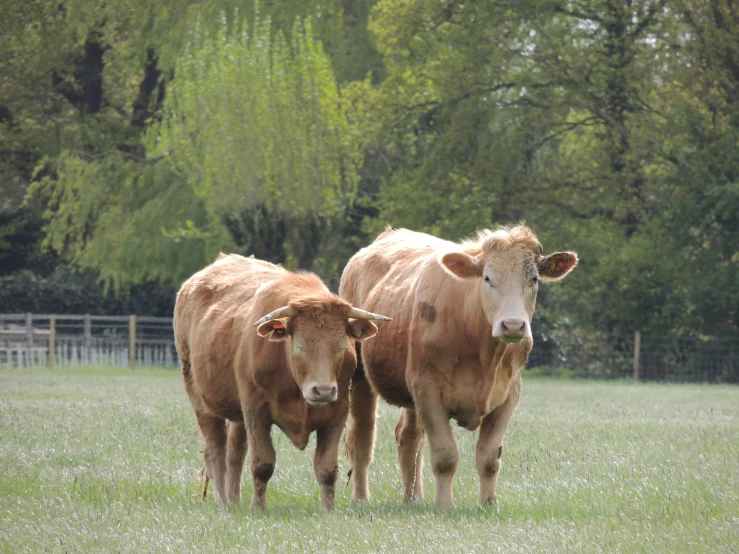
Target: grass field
x: 102, y: 460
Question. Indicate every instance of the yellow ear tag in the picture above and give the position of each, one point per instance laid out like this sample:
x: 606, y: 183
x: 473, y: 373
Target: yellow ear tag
x: 356, y: 332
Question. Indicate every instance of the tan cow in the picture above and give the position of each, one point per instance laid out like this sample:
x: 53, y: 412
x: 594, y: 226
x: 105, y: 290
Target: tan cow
x: 293, y: 370
x: 459, y: 339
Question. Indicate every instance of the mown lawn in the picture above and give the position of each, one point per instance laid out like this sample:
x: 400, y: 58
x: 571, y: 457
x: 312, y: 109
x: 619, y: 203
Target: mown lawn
x: 101, y: 460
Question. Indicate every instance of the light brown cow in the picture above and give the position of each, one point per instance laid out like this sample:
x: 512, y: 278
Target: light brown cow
x: 459, y: 339
x: 292, y: 371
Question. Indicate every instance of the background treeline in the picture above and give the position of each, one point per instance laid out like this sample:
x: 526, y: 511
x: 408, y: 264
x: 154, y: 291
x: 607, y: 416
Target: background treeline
x: 139, y: 139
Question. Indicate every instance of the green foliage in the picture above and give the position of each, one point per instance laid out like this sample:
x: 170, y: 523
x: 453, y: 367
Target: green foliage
x: 159, y: 133
x: 609, y: 128
x: 64, y: 292
x: 253, y: 139
x: 250, y: 121
x: 127, y: 220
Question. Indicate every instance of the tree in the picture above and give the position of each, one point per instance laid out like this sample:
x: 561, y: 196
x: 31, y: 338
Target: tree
x: 493, y: 113
x: 251, y: 127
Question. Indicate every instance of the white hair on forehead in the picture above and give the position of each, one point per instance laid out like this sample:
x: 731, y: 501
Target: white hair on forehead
x: 501, y: 239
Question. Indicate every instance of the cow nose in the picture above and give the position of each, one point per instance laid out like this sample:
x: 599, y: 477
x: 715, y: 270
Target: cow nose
x: 322, y: 392
x: 513, y: 328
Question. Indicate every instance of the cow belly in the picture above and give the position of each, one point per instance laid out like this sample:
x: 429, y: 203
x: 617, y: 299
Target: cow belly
x: 389, y: 384
x: 230, y: 411
x: 219, y: 395
x: 384, y: 364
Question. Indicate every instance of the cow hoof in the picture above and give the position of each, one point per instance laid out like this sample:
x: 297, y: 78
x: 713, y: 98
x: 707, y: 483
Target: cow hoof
x: 490, y: 501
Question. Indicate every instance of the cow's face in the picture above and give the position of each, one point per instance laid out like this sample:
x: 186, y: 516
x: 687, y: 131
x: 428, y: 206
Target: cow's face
x: 509, y: 271
x: 316, y: 344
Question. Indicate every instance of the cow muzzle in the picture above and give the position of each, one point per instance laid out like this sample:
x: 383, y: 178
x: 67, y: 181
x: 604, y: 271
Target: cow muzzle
x: 512, y: 330
x: 319, y: 394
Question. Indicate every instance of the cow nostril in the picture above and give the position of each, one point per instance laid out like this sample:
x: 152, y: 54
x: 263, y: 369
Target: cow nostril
x: 513, y: 327
x: 324, y: 391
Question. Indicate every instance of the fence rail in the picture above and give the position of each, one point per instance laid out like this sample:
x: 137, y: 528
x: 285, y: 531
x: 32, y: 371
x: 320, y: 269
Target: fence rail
x: 28, y: 340
x: 69, y: 340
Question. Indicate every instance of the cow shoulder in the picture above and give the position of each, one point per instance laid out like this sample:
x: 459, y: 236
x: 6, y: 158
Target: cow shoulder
x: 446, y: 321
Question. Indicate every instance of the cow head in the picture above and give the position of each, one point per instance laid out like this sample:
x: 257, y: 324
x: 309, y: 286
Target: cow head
x: 510, y: 266
x: 316, y: 333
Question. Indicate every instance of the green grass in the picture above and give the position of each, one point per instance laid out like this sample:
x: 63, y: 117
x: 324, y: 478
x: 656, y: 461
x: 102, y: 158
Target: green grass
x: 100, y: 460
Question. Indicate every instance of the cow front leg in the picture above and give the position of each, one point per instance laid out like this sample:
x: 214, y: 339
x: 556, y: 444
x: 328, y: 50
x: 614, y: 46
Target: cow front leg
x: 360, y: 433
x: 258, y: 426
x: 490, y: 446
x: 409, y: 437
x: 443, y: 447
x: 326, y: 462
x: 213, y: 430
x: 235, y: 455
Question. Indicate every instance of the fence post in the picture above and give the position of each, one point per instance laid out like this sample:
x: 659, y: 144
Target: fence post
x: 132, y: 341
x: 29, y: 337
x: 88, y: 338
x: 637, y: 354
x: 52, y: 342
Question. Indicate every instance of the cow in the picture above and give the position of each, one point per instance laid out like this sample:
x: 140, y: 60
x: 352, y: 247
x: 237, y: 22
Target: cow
x: 292, y: 371
x: 459, y: 338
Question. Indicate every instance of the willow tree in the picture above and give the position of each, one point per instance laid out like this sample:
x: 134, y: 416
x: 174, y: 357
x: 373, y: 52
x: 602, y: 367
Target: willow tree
x: 252, y: 132
x: 252, y: 121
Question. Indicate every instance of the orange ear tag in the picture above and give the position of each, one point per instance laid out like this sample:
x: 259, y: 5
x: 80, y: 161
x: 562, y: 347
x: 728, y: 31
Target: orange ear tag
x: 278, y: 325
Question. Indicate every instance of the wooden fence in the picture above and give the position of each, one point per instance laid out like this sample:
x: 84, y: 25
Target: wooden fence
x: 28, y: 340
x: 70, y: 340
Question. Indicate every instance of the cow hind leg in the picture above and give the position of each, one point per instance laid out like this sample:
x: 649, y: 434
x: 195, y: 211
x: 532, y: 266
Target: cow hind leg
x: 213, y: 430
x: 360, y: 434
x: 236, y: 453
x: 409, y: 437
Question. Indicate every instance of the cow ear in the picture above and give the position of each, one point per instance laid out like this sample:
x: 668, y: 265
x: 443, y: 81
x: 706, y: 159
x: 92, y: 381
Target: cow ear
x: 360, y: 329
x: 556, y: 266
x: 276, y: 329
x: 461, y: 265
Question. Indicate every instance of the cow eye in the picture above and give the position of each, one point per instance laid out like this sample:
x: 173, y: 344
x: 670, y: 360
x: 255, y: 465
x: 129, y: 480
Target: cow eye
x: 535, y: 281
x: 487, y: 280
